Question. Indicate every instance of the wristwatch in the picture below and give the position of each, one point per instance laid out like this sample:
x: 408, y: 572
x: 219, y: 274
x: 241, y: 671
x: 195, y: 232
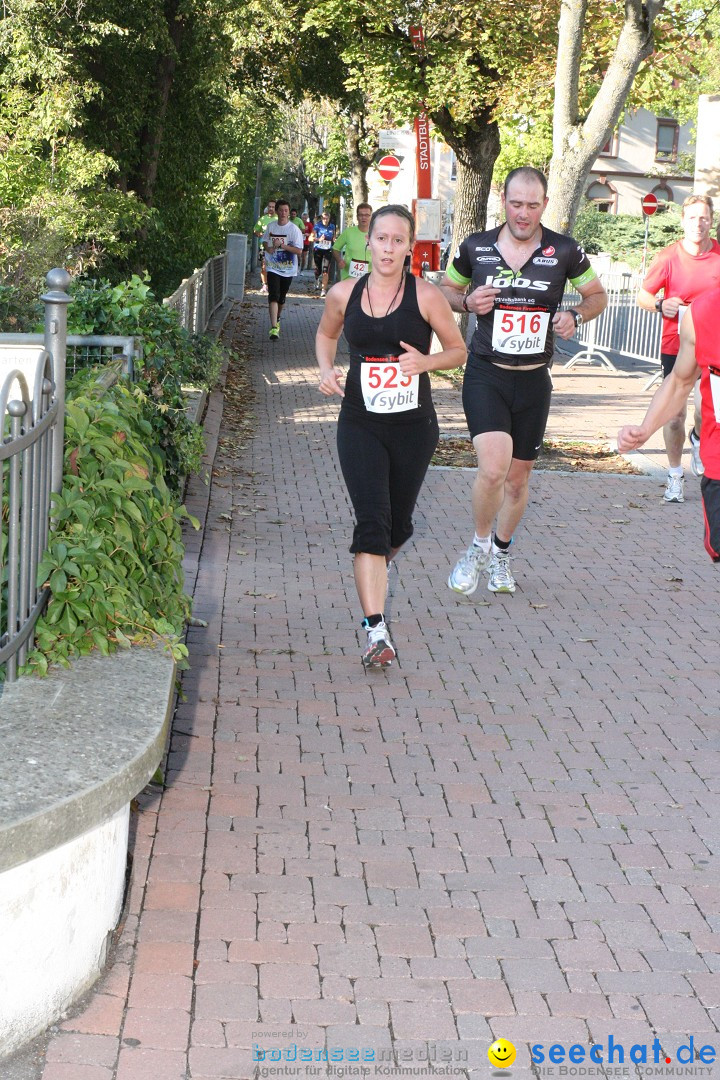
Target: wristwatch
x: 576, y: 316
x: 659, y: 304
x: 465, y: 303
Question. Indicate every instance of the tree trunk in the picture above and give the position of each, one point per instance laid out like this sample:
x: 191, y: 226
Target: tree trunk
x: 476, y: 150
x: 576, y: 144
x: 359, y: 162
x: 153, y: 134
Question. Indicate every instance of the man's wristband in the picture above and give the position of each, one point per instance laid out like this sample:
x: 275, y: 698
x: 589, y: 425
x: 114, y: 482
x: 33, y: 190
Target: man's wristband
x: 658, y: 306
x: 465, y: 303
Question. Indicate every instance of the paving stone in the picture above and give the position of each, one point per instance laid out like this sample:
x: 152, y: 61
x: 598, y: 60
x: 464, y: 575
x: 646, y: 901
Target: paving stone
x: 511, y: 832
x: 81, y: 1049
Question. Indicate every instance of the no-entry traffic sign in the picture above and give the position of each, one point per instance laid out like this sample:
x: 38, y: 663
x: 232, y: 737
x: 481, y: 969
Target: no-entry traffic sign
x: 649, y: 204
x: 388, y: 167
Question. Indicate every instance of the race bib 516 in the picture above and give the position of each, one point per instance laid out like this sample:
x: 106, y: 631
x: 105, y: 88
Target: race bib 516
x: 384, y: 387
x: 519, y: 332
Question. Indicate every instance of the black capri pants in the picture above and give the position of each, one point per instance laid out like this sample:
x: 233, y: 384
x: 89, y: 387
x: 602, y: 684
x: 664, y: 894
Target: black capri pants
x: 278, y: 287
x: 384, y: 465
x: 711, y: 512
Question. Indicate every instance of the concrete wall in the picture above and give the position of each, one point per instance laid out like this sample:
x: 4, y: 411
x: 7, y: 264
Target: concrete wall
x: 707, y: 161
x: 56, y: 912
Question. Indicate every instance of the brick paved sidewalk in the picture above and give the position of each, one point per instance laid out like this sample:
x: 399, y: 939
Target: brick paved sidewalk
x: 510, y: 833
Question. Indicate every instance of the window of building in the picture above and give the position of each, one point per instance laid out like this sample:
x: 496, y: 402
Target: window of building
x: 453, y: 165
x: 666, y: 144
x: 664, y: 195
x: 610, y: 149
x: 603, y: 195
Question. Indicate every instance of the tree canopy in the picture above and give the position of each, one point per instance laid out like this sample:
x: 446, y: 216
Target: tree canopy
x: 131, y: 129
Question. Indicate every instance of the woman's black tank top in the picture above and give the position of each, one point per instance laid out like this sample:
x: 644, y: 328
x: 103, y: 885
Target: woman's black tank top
x: 380, y: 337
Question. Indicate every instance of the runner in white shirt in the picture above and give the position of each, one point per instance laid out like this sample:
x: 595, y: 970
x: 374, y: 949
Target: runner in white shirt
x: 283, y: 244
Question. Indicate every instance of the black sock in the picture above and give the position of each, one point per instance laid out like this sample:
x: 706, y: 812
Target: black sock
x: 371, y: 620
x: 502, y: 545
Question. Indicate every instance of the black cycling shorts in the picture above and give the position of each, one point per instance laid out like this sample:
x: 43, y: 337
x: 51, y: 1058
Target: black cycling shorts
x: 322, y: 258
x: 278, y: 287
x: 516, y: 402
x: 384, y: 466
x: 711, y: 510
x: 668, y: 363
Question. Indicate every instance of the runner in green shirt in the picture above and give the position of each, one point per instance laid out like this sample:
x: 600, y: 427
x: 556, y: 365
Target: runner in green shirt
x: 350, y: 250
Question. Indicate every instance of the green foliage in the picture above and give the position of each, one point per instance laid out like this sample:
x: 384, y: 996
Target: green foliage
x: 17, y: 316
x: 524, y: 141
x: 114, y: 563
x: 623, y: 235
x: 171, y: 358
x: 128, y: 136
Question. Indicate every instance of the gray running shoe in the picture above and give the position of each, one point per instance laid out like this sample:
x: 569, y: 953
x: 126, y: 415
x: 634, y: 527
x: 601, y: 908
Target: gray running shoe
x: 379, y: 651
x: 674, y: 489
x: 501, y: 580
x: 466, y: 575
x: 695, y: 461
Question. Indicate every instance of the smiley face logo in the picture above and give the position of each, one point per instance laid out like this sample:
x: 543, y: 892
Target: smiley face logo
x: 501, y: 1054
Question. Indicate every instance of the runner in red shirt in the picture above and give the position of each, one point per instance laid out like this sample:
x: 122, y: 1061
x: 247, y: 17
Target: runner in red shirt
x: 682, y: 272
x: 698, y: 356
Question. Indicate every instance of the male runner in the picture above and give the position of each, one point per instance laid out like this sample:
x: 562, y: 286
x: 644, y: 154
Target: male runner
x: 350, y: 250
x: 323, y: 237
x: 260, y: 226
x: 512, y: 278
x: 283, y: 243
x: 682, y: 272
x: 698, y: 356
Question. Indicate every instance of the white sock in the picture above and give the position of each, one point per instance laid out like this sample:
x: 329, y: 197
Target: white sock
x: 676, y: 470
x: 481, y: 542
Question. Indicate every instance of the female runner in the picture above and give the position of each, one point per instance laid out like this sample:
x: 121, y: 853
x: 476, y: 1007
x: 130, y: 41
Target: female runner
x: 387, y: 429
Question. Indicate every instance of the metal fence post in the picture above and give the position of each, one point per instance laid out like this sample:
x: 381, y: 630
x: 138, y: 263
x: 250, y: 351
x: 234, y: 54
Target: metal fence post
x: 56, y: 301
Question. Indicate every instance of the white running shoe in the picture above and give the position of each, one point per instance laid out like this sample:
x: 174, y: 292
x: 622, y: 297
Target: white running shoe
x: 379, y: 651
x: 466, y: 575
x: 674, y: 489
x: 501, y: 580
x: 695, y: 461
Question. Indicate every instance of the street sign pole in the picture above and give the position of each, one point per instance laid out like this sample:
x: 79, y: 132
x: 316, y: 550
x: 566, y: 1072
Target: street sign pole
x: 645, y: 245
x: 649, y: 205
x: 426, y: 253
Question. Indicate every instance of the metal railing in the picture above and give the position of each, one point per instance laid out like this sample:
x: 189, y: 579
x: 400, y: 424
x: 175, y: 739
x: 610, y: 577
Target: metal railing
x: 31, y: 460
x: 622, y: 328
x: 84, y: 351
x: 33, y: 370
x: 200, y: 295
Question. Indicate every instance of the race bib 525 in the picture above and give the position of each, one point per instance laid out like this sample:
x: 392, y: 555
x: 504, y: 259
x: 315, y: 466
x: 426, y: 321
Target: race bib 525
x: 384, y: 387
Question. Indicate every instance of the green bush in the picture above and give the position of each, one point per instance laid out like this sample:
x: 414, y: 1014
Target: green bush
x: 623, y: 235
x: 114, y: 563
x: 171, y: 358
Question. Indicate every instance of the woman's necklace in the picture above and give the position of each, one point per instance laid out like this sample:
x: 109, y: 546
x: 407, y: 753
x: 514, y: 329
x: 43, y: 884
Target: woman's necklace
x: 392, y: 302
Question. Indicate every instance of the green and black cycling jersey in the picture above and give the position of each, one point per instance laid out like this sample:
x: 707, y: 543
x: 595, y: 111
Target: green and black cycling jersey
x: 518, y: 329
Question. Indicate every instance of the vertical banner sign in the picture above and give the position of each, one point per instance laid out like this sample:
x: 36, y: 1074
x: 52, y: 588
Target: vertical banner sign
x: 425, y: 251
